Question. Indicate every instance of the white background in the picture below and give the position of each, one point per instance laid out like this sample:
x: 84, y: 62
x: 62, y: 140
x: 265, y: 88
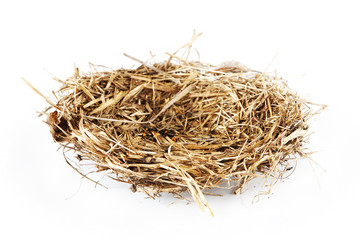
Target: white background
x: 317, y: 48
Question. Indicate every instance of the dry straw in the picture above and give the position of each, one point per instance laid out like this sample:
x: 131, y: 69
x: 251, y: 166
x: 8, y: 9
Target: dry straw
x: 181, y: 126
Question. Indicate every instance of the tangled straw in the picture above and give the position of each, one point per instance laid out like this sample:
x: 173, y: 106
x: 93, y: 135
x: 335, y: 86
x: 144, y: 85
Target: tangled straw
x: 181, y: 126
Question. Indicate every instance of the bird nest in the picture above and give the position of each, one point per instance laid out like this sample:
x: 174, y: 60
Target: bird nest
x: 181, y: 126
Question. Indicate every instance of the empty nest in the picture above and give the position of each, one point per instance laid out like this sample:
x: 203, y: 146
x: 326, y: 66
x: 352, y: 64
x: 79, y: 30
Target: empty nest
x: 181, y: 126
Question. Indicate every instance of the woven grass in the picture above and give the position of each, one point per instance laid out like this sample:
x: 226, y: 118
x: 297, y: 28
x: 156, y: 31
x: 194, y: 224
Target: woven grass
x: 181, y: 126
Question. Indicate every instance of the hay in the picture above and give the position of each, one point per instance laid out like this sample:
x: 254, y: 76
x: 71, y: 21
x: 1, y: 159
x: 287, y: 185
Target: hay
x: 181, y: 126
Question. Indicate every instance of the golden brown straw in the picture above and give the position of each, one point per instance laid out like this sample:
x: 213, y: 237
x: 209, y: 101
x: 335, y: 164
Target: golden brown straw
x: 181, y: 126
